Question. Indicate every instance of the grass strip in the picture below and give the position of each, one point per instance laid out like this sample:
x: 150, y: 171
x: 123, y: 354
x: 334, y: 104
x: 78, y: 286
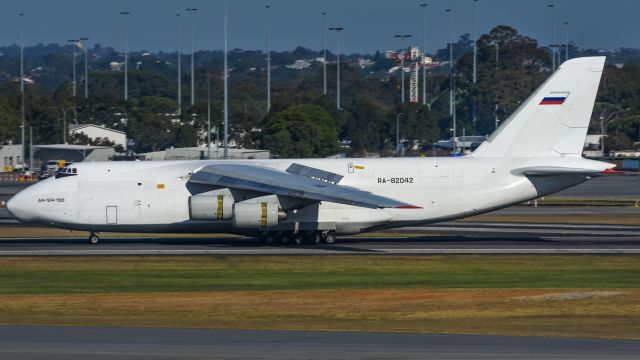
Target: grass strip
x: 140, y: 274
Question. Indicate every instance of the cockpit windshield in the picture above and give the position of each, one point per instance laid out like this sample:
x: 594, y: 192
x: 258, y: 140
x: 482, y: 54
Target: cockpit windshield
x: 66, y: 171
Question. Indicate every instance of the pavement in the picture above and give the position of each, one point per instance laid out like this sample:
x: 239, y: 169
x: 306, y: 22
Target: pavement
x: 446, y: 238
x: 51, y: 342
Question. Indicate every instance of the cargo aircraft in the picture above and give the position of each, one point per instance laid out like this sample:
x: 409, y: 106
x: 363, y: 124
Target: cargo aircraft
x: 535, y: 152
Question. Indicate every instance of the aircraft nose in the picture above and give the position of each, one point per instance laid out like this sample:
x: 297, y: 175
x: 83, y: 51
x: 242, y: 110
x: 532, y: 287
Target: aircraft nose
x: 20, y: 207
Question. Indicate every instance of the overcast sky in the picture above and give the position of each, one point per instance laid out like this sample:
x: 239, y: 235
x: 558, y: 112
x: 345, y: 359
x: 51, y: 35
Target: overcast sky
x: 369, y: 25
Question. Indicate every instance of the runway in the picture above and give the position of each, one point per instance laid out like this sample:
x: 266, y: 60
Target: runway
x: 446, y: 238
x: 33, y: 342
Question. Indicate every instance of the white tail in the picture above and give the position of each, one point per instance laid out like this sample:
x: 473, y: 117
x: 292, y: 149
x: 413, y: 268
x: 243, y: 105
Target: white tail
x: 554, y: 120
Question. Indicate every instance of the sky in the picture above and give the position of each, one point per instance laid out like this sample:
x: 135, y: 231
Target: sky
x: 369, y: 24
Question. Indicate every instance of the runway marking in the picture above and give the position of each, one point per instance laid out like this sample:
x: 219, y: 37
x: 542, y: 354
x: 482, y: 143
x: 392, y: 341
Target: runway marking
x: 302, y: 251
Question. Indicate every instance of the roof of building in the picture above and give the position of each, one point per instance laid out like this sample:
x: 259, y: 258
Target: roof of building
x: 82, y: 126
x: 70, y: 147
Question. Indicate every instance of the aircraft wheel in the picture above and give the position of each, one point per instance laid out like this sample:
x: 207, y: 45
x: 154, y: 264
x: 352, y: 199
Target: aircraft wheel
x: 298, y: 238
x: 269, y: 239
x: 93, y: 239
x: 315, y: 237
x: 330, y: 237
x: 284, y: 238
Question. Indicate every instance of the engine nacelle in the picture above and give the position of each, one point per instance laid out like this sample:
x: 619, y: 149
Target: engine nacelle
x: 207, y: 207
x: 255, y: 215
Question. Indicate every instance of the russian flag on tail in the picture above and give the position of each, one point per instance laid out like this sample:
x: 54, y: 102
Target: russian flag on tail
x: 554, y: 98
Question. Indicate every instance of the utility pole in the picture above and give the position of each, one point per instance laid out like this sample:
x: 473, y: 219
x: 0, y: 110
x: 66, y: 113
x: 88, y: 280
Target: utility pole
x: 64, y: 120
x: 475, y: 46
x: 86, y: 68
x: 126, y: 60
x: 553, y: 36
x: 337, y: 30
x: 193, y: 82
x: 475, y: 60
x: 401, y: 53
x: 497, y: 69
x: 179, y: 35
x: 226, y: 76
x: 424, y: 55
x: 74, y: 43
x: 208, y: 116
x: 566, y: 41
x: 22, y: 109
x: 31, y: 149
x: 268, y: 59
x: 450, y: 62
x: 398, y: 133
x: 324, y: 54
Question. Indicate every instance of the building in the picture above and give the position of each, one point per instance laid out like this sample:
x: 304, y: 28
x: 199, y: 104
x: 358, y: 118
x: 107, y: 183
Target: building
x: 199, y: 153
x: 99, y: 132
x: 71, y: 153
x: 10, y: 157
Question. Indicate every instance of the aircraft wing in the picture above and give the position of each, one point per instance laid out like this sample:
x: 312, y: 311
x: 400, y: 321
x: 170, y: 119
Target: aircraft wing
x: 301, y: 182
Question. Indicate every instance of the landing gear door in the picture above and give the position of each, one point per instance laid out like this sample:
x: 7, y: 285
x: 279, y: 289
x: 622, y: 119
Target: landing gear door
x: 112, y: 214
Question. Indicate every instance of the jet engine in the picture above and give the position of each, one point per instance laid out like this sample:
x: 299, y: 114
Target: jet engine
x: 207, y: 207
x: 256, y: 215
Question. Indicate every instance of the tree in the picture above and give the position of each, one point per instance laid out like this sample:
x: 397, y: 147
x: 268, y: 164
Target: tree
x: 301, y: 131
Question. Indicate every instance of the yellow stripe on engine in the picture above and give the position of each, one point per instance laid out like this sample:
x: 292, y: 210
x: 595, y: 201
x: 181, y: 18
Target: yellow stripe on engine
x: 263, y: 218
x: 220, y: 210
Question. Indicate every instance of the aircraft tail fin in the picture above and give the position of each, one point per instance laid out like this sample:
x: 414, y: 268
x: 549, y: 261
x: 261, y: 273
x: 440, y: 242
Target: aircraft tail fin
x: 553, y: 121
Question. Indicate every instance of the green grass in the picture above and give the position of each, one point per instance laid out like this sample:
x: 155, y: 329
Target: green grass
x: 83, y: 275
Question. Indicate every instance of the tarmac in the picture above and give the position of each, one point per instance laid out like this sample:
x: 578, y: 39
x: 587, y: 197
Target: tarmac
x: 445, y: 238
x: 51, y: 342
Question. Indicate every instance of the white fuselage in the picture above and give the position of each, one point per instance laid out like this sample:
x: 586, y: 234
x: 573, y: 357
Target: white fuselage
x: 154, y: 196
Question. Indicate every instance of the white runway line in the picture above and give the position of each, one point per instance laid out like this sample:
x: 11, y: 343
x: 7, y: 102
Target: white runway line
x: 291, y: 251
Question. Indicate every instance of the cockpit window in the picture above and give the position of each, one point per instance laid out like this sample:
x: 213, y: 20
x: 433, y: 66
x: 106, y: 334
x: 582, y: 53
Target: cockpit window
x: 66, y: 171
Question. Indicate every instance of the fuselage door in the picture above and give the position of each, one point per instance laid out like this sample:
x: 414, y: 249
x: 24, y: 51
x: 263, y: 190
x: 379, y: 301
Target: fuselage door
x: 112, y: 214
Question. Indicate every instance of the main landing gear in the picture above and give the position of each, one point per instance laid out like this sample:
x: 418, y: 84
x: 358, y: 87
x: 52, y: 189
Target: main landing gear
x: 298, y: 237
x: 93, y: 239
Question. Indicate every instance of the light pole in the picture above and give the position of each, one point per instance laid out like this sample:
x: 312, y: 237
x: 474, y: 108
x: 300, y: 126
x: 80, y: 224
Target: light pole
x: 193, y: 83
x: 553, y: 36
x: 268, y: 58
x: 64, y: 119
x: 337, y: 30
x: 209, y: 117
x: 22, y: 110
x: 475, y: 59
x: 424, y: 55
x: 226, y: 76
x: 398, y: 133
x: 401, y: 53
x: 86, y: 68
x: 179, y: 35
x: 324, y: 54
x: 450, y: 61
x: 497, y: 68
x: 566, y: 41
x: 475, y: 40
x: 126, y: 60
x: 74, y: 43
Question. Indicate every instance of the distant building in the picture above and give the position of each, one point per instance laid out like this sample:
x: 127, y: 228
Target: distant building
x: 592, y: 146
x: 299, y: 65
x: 94, y: 132
x: 198, y: 153
x: 74, y: 153
x: 10, y: 157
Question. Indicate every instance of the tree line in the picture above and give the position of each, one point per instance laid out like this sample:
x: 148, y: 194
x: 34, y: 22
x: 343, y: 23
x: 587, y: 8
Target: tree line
x: 302, y: 121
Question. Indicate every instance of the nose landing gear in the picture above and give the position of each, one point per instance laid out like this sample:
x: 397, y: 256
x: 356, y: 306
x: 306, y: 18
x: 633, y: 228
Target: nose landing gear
x: 93, y: 239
